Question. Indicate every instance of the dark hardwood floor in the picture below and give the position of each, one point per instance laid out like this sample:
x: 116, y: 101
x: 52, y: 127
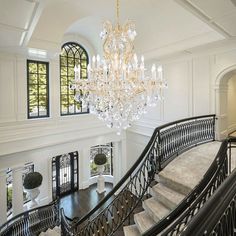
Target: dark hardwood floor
x: 80, y: 203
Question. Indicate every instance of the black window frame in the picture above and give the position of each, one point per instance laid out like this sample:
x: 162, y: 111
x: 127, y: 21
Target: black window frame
x: 72, y: 45
x: 47, y: 90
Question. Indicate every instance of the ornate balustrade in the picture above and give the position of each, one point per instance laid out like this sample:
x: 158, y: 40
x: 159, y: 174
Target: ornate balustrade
x: 190, y: 206
x: 167, y: 142
x: 218, y: 216
x: 117, y: 207
x: 32, y: 222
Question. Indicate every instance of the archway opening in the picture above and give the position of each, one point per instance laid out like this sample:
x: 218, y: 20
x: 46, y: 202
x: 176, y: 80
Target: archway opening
x: 226, y: 104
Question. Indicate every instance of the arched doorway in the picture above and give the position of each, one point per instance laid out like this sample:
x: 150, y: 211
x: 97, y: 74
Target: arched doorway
x: 225, y: 94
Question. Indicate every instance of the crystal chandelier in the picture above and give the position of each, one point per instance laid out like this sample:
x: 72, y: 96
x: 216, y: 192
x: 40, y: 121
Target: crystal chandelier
x: 117, y: 90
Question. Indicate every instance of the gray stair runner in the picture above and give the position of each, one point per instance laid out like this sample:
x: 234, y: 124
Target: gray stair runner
x: 174, y: 183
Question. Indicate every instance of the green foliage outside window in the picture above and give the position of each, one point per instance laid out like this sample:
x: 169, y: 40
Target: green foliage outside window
x: 72, y: 54
x: 38, y: 90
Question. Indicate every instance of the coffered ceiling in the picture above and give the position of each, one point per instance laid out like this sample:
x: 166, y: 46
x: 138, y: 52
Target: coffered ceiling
x: 163, y: 26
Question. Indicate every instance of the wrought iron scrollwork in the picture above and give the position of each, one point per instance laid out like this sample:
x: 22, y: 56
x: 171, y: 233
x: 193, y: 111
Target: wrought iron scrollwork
x: 33, y: 222
x: 118, y: 205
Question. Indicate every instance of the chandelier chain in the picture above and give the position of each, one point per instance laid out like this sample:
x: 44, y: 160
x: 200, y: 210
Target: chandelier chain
x: 117, y: 11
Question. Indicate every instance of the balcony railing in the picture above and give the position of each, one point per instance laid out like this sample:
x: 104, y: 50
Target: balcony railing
x: 117, y: 208
x: 32, y: 222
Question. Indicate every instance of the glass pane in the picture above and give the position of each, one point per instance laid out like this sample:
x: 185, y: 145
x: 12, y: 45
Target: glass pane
x: 71, y: 108
x: 64, y: 109
x: 70, y: 53
x: 71, y: 99
x: 33, y: 101
x: 42, y: 68
x: 42, y: 101
x: 42, y: 111
x: 64, y: 89
x: 32, y: 67
x: 71, y: 62
x: 84, y: 73
x: 63, y: 80
x: 71, y: 71
x: 63, y: 70
x: 64, y: 99
x: 33, y: 111
x: 84, y: 56
x: 42, y: 79
x: 33, y: 89
x: 42, y: 90
x: 63, y: 61
x: 63, y: 52
x: 33, y: 79
x: 83, y: 64
x: 77, y: 61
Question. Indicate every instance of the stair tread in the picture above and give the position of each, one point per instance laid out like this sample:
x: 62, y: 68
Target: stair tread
x: 131, y: 230
x: 155, y: 209
x: 143, y: 221
x: 188, y: 168
x: 167, y: 196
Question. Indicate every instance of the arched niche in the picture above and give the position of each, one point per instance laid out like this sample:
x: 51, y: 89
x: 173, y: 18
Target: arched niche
x: 221, y: 101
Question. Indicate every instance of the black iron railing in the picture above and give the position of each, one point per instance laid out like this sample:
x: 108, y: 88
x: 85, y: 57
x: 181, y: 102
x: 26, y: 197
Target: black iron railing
x: 33, y: 222
x: 218, y: 216
x: 167, y: 142
x: 217, y: 173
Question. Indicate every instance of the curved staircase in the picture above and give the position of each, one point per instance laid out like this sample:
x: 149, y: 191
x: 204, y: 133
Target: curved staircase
x: 175, y: 182
x: 179, y: 186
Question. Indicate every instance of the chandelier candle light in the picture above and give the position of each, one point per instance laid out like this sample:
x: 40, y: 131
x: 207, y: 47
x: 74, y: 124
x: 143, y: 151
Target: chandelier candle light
x: 117, y: 89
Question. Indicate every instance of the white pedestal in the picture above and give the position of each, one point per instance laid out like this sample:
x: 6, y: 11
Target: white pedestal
x: 32, y: 194
x: 101, y: 184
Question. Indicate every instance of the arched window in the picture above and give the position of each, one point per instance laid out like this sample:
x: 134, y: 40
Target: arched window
x: 72, y: 54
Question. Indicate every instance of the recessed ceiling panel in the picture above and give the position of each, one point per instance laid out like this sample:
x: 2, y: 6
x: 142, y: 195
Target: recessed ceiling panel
x: 228, y: 23
x: 16, y: 13
x: 214, y: 8
x: 9, y: 38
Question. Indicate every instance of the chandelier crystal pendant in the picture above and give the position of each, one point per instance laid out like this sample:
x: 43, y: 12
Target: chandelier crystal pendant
x: 117, y: 90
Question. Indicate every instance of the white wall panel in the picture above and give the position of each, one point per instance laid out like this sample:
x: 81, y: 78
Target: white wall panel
x: 201, y: 86
x: 7, y: 89
x: 177, y: 100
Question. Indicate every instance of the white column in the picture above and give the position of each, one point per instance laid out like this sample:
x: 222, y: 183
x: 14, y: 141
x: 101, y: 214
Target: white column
x: 3, y: 197
x: 17, y: 190
x: 84, y: 168
x: 116, y: 162
x: 119, y: 160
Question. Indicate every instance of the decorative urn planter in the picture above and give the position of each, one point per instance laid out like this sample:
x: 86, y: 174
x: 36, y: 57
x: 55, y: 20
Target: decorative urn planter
x: 100, y: 160
x: 31, y: 184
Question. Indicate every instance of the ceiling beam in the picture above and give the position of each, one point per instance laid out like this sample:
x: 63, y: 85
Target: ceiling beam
x: 197, y: 12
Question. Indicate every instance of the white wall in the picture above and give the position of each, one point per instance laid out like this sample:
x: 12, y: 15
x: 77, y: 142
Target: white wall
x: 38, y: 140
x: 232, y: 104
x: 193, y: 90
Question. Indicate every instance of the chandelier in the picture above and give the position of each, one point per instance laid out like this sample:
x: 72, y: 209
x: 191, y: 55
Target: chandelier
x: 117, y: 90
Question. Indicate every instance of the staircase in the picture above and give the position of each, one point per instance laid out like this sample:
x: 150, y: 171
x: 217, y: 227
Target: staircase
x: 174, y: 183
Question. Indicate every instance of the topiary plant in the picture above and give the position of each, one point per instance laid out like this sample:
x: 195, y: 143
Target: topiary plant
x: 100, y: 159
x: 32, y: 180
